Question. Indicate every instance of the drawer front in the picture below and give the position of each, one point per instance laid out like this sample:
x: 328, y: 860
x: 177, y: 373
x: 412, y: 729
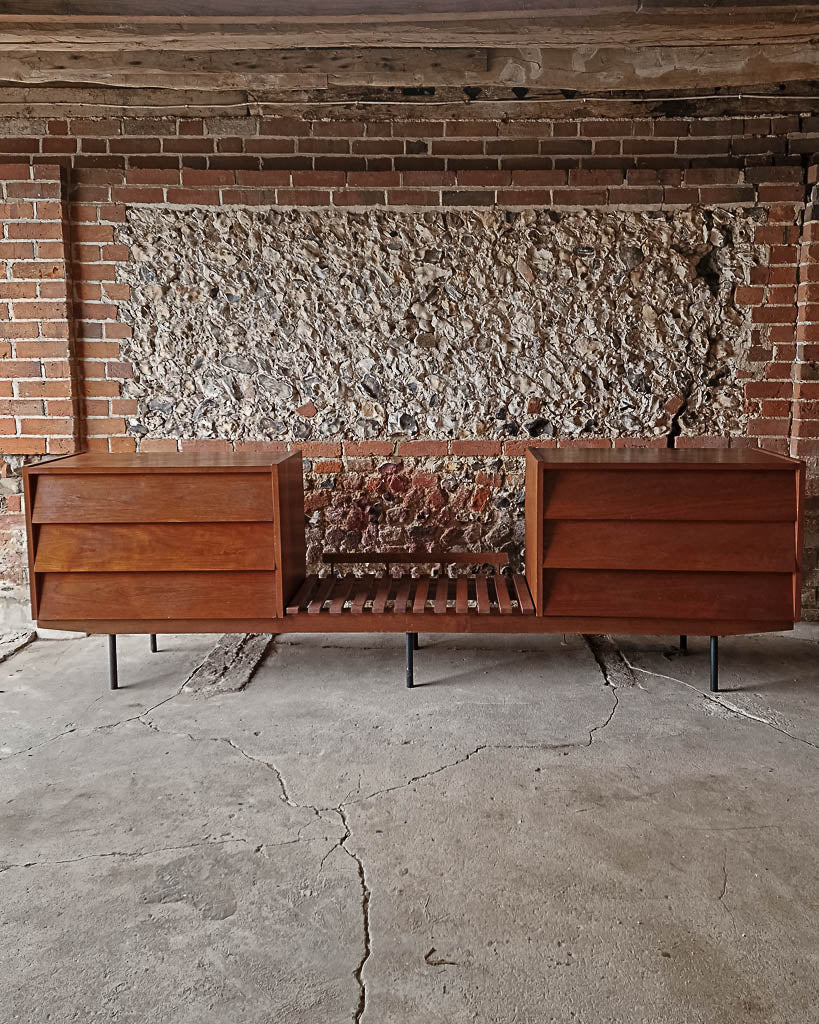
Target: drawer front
x: 160, y: 547
x: 153, y: 498
x: 686, y: 546
x: 157, y: 595
x: 740, y: 495
x: 675, y: 595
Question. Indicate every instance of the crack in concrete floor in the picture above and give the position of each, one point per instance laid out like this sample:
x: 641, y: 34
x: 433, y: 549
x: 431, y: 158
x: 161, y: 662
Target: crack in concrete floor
x: 366, y: 894
x: 723, y: 702
x: 340, y: 809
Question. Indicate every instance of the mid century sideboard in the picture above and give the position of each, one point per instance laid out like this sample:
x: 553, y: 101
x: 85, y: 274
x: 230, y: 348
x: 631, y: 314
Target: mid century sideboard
x: 649, y: 541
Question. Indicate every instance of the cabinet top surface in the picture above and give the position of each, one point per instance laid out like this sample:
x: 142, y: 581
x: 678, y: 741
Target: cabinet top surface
x: 171, y: 462
x: 661, y: 458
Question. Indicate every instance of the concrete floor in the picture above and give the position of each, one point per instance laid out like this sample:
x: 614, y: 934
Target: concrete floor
x: 513, y: 841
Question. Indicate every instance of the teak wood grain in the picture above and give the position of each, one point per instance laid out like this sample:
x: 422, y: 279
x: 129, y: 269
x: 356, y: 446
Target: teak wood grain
x: 687, y: 546
x: 682, y: 494
x: 166, y: 596
x: 165, y: 498
x: 231, y: 528
x: 691, y: 595
x: 650, y: 541
x: 161, y: 547
x: 644, y: 536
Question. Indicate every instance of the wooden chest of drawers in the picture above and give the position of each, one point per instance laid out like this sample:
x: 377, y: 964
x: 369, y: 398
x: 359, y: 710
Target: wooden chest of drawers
x: 164, y: 538
x: 664, y: 541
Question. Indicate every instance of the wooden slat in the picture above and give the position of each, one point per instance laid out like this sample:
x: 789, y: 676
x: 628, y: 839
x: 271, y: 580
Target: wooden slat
x: 158, y: 595
x: 322, y: 593
x: 382, y: 595
x: 689, y: 546
x: 696, y: 595
x: 416, y: 557
x: 154, y: 498
x: 524, y: 597
x: 461, y: 601
x: 361, y: 591
x: 482, y: 595
x: 419, y: 604
x: 303, y: 595
x: 159, y: 547
x: 504, y: 600
x: 441, y: 594
x: 670, y: 494
x: 340, y: 593
x: 399, y: 605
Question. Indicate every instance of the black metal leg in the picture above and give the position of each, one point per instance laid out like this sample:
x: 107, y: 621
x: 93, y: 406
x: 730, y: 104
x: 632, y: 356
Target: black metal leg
x: 683, y: 645
x: 410, y: 650
x: 415, y: 643
x: 714, y: 664
x: 153, y: 643
x: 113, y: 678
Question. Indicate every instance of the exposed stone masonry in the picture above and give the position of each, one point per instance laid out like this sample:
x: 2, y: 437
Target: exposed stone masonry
x: 307, y: 326
x: 270, y: 325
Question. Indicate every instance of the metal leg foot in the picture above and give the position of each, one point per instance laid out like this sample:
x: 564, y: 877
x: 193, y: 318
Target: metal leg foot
x: 113, y: 677
x: 410, y: 650
x: 714, y: 664
x: 153, y: 643
x: 683, y: 645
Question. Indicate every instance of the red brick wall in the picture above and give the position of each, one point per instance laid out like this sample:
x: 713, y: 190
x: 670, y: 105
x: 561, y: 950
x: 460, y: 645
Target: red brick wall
x: 77, y: 176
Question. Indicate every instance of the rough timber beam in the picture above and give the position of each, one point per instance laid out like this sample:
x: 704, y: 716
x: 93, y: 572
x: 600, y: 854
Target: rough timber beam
x: 576, y: 68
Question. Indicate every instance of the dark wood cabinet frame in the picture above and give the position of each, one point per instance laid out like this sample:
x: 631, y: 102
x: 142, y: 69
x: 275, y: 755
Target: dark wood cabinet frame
x: 626, y: 541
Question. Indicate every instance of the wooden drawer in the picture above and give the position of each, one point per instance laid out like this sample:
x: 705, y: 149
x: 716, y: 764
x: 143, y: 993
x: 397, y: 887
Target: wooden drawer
x: 667, y: 595
x: 154, y: 498
x: 157, y: 595
x: 670, y: 494
x: 161, y: 547
x: 686, y: 546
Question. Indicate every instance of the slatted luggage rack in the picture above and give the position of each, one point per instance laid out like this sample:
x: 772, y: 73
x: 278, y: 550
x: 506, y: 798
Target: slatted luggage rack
x: 411, y: 604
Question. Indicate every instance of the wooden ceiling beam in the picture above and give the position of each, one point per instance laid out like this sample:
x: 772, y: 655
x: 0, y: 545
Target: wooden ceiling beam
x: 577, y: 68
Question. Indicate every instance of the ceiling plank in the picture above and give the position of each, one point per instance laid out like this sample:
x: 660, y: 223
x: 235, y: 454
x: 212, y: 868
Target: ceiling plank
x: 611, y: 23
x: 340, y: 10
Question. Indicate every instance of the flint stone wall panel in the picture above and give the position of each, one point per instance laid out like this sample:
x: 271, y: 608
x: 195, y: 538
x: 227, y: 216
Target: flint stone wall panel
x: 445, y: 325
x: 313, y: 326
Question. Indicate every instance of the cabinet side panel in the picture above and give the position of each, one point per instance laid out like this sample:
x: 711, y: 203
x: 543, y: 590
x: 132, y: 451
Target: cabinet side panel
x: 29, y: 487
x: 799, y: 538
x: 534, y: 530
x: 288, y: 497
